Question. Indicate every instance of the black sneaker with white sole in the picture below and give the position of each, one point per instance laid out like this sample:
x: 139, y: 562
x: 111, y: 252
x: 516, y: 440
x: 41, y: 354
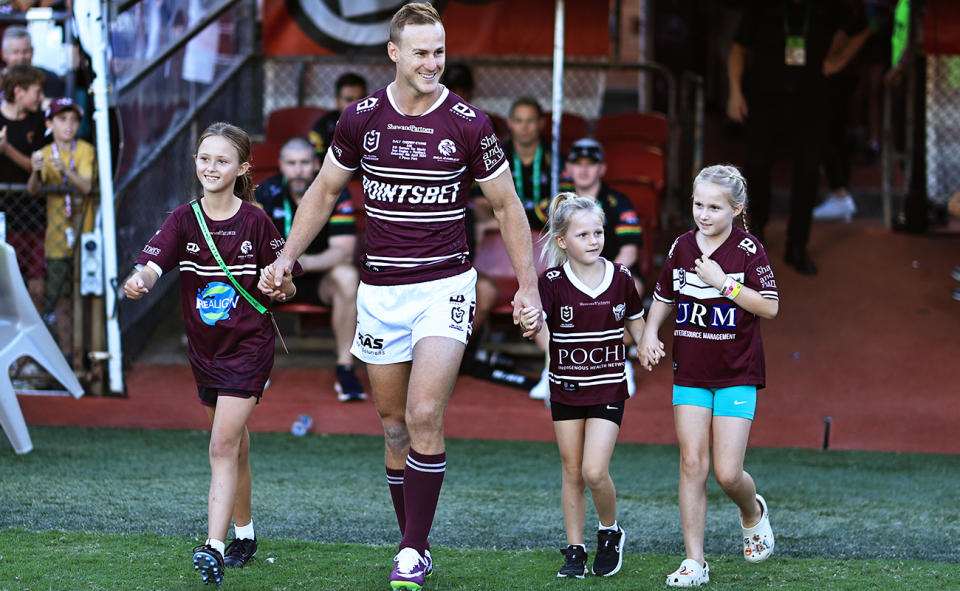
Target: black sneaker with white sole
x: 239, y: 552
x: 575, y: 565
x: 609, y: 552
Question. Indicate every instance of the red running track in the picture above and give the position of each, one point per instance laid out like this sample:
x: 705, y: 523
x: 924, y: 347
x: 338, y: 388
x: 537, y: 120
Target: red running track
x: 873, y: 341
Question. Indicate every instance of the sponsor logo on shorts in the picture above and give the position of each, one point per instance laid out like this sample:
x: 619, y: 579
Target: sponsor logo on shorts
x: 456, y: 314
x: 458, y: 299
x: 612, y: 407
x: 369, y: 342
x: 739, y: 402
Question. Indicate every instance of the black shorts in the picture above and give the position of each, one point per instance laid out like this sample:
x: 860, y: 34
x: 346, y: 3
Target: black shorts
x: 308, y: 288
x: 208, y: 395
x: 612, y: 411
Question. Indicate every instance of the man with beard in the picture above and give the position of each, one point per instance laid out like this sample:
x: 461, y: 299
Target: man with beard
x: 330, y: 277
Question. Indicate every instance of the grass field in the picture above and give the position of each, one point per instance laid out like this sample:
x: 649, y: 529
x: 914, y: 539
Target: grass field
x: 108, y: 509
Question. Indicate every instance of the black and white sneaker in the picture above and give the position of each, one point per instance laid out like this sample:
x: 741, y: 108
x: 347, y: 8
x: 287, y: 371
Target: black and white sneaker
x: 239, y: 552
x: 575, y: 565
x: 609, y: 552
x: 347, y: 386
x: 209, y: 562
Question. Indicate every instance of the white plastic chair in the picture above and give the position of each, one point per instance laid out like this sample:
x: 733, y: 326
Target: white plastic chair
x: 22, y: 332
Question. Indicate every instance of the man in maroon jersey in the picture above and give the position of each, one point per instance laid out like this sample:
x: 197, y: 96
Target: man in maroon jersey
x: 418, y: 148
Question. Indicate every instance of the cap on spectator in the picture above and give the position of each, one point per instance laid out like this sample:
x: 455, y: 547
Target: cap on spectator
x: 586, y: 148
x: 61, y: 104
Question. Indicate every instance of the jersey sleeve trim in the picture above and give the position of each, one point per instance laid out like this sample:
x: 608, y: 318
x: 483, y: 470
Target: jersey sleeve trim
x: 156, y: 268
x: 503, y: 166
x: 660, y: 298
x: 337, y: 162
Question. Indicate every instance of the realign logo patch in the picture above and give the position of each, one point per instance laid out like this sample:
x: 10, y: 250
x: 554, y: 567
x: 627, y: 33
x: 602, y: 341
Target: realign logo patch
x: 215, y: 301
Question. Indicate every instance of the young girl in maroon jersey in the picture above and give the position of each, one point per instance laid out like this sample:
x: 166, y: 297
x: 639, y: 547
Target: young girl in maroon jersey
x: 719, y: 279
x: 230, y: 340
x: 587, y: 302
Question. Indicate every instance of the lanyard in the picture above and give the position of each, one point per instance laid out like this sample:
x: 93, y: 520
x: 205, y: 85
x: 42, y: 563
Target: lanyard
x: 287, y: 211
x: 518, y: 174
x: 786, y: 19
x: 73, y: 167
x: 216, y: 255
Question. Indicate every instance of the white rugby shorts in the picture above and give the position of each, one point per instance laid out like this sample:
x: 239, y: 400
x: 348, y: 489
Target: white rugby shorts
x: 392, y: 318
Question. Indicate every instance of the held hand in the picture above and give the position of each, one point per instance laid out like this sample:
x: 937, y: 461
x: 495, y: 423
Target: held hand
x: 134, y: 288
x: 528, y: 318
x: 651, y: 351
x: 528, y: 298
x: 270, y: 282
x: 710, y: 271
x: 280, y: 268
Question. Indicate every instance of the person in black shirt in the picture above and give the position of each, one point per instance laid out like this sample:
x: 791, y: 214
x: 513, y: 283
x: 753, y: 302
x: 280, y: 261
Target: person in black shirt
x: 780, y: 97
x: 330, y: 277
x: 349, y: 87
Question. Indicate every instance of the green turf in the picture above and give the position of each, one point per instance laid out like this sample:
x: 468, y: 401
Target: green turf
x: 497, y: 495
x: 94, y: 562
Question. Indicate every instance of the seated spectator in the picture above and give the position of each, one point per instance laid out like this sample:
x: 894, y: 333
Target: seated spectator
x: 622, y: 233
x: 330, y: 277
x: 65, y: 161
x: 21, y: 134
x: 349, y: 88
x: 17, y: 50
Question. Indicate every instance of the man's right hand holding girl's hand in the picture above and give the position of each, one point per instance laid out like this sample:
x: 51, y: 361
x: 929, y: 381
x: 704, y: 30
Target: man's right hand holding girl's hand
x: 277, y: 284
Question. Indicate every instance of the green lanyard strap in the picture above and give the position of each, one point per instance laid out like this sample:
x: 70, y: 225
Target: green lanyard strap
x: 518, y: 174
x: 216, y: 255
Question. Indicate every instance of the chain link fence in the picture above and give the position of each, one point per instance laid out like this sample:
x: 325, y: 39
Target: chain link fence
x: 942, y: 127
x: 591, y: 88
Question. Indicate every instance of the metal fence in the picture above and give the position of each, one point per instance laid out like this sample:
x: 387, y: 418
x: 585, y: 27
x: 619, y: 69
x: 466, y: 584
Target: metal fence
x: 942, y: 127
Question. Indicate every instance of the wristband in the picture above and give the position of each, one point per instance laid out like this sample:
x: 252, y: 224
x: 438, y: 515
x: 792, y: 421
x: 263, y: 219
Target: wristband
x: 731, y: 288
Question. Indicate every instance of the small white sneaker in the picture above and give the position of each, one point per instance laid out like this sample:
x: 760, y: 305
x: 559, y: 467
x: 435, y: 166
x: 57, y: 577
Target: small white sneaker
x: 690, y: 574
x: 836, y: 207
x: 631, y: 382
x: 758, y: 540
x: 541, y: 391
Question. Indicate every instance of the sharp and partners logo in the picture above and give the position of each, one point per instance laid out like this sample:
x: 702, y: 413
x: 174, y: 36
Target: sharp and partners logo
x: 215, y: 301
x: 371, y: 141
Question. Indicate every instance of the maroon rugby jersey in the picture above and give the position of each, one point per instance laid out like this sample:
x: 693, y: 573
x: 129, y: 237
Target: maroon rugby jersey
x: 229, y: 344
x: 716, y: 343
x: 417, y: 172
x: 586, y: 325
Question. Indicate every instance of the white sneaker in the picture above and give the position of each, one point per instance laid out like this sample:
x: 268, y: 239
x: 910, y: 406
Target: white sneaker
x: 541, y: 391
x: 836, y: 207
x: 631, y: 382
x: 690, y: 574
x: 758, y: 540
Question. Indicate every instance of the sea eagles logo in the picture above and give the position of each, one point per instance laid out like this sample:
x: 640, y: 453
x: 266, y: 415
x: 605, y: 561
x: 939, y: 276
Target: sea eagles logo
x: 566, y: 313
x: 618, y: 311
x: 192, y: 248
x: 246, y: 247
x: 551, y: 275
x: 447, y: 147
x: 464, y: 111
x: 456, y: 314
x: 748, y: 245
x: 371, y: 141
